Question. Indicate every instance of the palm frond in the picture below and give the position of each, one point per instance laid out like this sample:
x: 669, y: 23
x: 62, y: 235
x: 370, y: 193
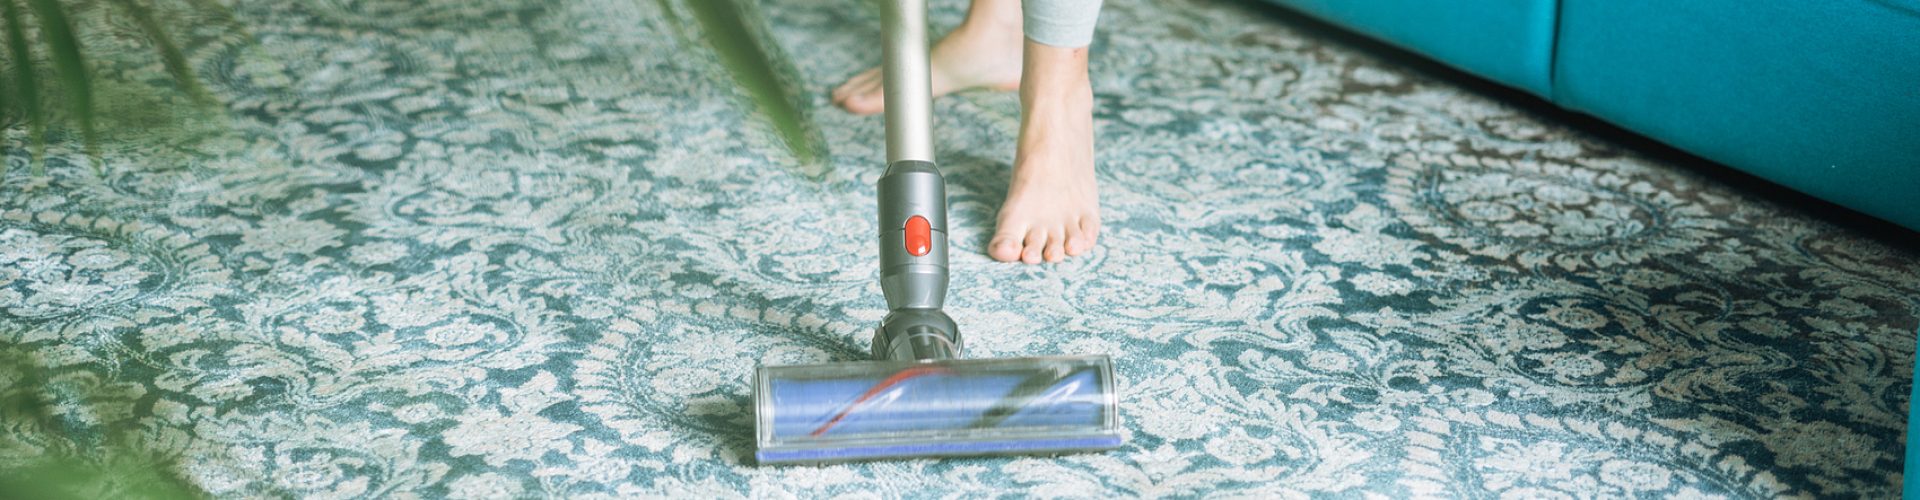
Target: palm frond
x: 756, y: 66
x: 26, y: 84
x: 63, y: 49
x: 64, y: 81
x: 29, y: 404
x: 170, y: 54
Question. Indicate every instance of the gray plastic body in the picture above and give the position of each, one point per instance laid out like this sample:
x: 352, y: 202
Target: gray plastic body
x: 915, y: 329
x: 913, y: 189
x: 916, y: 335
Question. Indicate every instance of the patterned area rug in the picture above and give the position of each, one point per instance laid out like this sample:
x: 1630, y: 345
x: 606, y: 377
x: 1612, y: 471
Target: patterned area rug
x: 516, y: 248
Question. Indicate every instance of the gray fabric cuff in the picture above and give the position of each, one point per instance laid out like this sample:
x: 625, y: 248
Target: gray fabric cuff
x: 1060, y: 23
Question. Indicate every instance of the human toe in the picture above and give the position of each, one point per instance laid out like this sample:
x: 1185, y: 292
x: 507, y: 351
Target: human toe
x: 1005, y: 247
x: 1056, y: 246
x: 1032, y: 247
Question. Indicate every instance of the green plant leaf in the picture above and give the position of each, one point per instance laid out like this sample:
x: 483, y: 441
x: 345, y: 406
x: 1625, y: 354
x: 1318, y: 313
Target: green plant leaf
x: 61, y: 90
x: 63, y: 48
x: 170, y: 54
x: 25, y: 82
x: 29, y: 404
x: 6, y: 97
x: 752, y: 63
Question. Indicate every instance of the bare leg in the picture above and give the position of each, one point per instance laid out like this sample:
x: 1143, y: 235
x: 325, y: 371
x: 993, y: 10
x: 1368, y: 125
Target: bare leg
x: 984, y: 52
x: 1052, y: 209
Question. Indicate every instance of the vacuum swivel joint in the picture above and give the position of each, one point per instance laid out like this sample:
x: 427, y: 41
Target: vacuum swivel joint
x: 916, y: 335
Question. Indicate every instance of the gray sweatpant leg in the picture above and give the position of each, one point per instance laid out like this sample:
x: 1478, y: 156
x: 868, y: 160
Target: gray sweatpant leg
x: 1060, y: 23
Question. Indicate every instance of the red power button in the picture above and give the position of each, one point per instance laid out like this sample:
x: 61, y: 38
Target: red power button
x: 919, y: 236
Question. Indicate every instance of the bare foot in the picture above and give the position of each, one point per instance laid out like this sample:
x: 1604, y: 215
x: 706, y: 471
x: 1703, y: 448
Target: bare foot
x: 1053, y: 205
x: 978, y: 54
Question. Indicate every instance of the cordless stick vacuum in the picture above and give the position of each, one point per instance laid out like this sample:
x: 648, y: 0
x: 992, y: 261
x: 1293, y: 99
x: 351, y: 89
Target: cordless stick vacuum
x: 917, y: 399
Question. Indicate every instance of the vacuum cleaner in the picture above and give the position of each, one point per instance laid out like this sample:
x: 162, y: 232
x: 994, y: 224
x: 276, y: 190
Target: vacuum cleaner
x: 917, y: 398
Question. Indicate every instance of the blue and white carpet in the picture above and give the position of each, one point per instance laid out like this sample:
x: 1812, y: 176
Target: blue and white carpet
x: 515, y: 248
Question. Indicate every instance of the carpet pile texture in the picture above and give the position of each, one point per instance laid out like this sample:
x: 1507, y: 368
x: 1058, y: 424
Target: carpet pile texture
x: 524, y: 248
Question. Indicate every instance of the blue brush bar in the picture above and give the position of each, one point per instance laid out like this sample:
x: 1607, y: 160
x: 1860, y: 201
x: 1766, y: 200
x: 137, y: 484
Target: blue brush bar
x: 853, y: 411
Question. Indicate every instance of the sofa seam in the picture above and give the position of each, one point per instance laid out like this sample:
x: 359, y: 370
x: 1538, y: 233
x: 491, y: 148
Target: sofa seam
x: 1553, y: 51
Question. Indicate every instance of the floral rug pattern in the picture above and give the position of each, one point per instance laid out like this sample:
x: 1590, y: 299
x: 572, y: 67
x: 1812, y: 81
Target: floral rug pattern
x: 521, y: 248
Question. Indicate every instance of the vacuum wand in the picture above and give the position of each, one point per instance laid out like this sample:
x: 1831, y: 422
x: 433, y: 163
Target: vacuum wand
x: 907, y: 80
x: 917, y: 399
x: 913, y: 200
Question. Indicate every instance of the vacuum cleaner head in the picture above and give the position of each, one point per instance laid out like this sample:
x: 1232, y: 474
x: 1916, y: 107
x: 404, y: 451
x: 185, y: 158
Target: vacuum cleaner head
x: 919, y: 400
x: 874, y: 410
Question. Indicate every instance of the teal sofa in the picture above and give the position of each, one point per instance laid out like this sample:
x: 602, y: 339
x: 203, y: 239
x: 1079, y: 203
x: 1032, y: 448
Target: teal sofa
x: 1822, y: 96
x: 1912, y: 487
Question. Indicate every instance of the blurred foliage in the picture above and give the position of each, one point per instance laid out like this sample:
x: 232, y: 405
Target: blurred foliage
x: 737, y: 35
x: 48, y: 82
x: 57, y: 448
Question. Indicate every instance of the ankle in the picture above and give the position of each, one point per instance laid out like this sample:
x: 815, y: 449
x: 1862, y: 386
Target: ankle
x: 1056, y: 94
x: 1055, y: 72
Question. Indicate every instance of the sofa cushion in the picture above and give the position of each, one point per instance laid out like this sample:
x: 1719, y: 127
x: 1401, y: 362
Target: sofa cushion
x: 1820, y: 96
x: 1508, y: 41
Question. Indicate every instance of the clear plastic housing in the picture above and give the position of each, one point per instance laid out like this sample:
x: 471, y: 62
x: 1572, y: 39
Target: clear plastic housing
x: 869, y: 410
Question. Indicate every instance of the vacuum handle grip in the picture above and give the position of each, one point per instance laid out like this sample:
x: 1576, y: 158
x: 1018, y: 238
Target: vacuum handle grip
x: 913, y: 235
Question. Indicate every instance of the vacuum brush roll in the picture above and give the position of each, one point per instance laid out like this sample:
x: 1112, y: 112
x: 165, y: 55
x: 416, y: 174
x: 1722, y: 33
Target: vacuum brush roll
x: 872, y: 410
